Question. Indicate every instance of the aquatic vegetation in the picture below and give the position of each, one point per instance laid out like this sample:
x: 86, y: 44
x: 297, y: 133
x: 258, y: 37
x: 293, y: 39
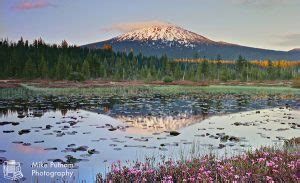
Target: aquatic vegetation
x: 29, y: 90
x: 168, y: 101
x: 262, y: 165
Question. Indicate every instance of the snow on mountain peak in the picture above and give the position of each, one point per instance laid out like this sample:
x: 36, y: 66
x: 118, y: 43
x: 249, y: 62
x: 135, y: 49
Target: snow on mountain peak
x: 165, y: 33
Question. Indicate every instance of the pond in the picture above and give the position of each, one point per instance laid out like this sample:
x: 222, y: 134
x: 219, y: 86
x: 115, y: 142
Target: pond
x: 92, y: 132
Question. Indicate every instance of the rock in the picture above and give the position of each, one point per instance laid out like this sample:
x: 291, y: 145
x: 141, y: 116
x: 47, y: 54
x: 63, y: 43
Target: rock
x: 58, y: 161
x: 81, y: 148
x: 282, y: 129
x: 224, y: 138
x: 237, y: 123
x: 48, y: 134
x: 72, y: 123
x: 8, y: 131
x: 93, y: 151
x: 4, y: 123
x: 51, y: 149
x: 24, y: 131
x: 2, y: 159
x: 233, y: 138
x: 221, y: 146
x: 71, y: 159
x: 60, y: 134
x: 21, y: 116
x: 112, y: 129
x: 71, y: 145
x: 26, y: 144
x: 174, y: 133
x: 40, y: 141
x: 48, y: 127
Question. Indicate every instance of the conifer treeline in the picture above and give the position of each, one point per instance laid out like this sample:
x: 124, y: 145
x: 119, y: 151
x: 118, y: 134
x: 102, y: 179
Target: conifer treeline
x: 41, y: 60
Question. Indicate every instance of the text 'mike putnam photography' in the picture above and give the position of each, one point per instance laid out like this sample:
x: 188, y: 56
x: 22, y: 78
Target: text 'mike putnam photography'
x: 60, y: 170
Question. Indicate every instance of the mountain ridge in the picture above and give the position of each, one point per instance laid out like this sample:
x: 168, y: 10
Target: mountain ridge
x: 177, y: 42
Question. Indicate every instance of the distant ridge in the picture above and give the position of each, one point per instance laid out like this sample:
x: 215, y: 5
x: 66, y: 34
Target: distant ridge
x: 177, y: 42
x: 295, y: 50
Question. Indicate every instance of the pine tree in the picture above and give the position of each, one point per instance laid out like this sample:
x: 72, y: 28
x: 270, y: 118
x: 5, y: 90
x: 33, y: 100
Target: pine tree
x: 29, y: 69
x: 43, y: 68
x: 204, y: 69
x: 60, y: 68
x: 218, y: 66
x: 177, y: 74
x: 86, y: 69
x: 270, y: 69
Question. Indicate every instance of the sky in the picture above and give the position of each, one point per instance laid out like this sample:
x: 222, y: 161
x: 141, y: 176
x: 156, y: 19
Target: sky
x: 270, y: 24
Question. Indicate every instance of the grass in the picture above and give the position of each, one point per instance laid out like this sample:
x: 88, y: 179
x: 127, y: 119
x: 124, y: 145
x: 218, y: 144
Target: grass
x: 27, y: 90
x: 16, y: 93
x: 267, y: 164
x: 169, y: 89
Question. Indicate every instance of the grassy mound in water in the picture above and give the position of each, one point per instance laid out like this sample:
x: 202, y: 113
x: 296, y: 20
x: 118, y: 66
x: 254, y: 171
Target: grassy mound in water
x: 262, y: 165
x: 153, y: 89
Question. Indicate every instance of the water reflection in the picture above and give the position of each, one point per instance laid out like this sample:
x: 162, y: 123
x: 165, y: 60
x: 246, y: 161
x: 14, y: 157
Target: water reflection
x: 152, y: 105
x: 160, y: 124
x: 86, y: 138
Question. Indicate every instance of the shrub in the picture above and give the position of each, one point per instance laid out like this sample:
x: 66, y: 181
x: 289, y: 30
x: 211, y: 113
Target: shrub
x: 167, y: 79
x: 76, y: 76
x: 296, y: 83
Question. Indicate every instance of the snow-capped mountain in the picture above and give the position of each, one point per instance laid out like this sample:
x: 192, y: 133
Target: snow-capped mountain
x: 177, y: 42
x: 165, y: 34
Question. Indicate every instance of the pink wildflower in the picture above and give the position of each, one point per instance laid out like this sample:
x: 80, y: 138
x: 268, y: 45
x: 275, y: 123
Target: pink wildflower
x: 270, y: 179
x: 259, y: 160
x: 270, y: 163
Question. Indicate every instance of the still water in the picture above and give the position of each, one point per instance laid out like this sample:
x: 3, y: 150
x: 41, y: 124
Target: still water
x: 92, y: 138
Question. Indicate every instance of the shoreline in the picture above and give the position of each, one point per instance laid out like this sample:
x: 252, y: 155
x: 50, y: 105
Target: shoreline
x: 94, y: 83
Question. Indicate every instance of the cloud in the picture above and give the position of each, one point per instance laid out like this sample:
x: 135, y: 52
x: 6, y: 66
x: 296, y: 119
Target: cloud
x: 130, y: 26
x: 288, y: 40
x: 28, y: 5
x: 259, y: 3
